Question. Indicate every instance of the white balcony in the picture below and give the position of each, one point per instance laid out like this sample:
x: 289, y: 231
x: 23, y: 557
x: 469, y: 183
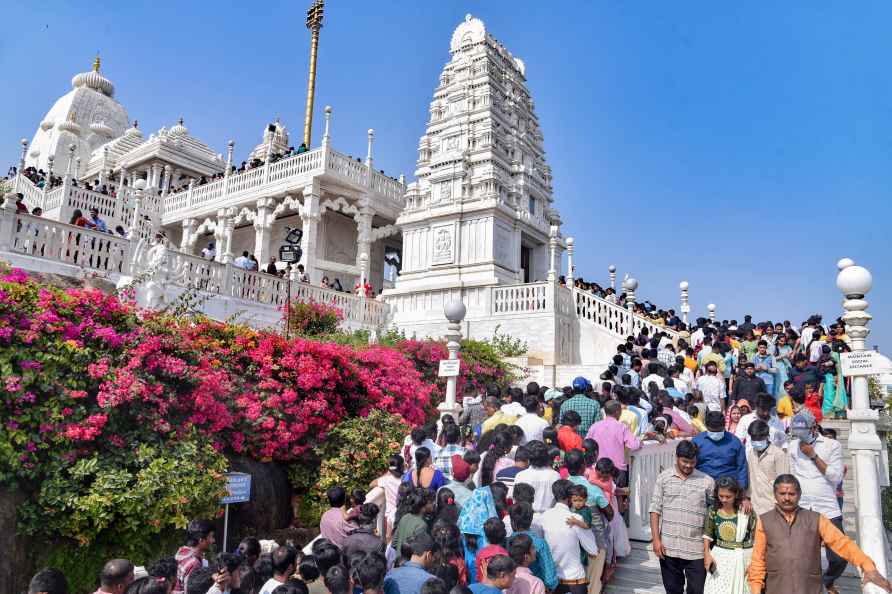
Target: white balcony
x: 288, y: 176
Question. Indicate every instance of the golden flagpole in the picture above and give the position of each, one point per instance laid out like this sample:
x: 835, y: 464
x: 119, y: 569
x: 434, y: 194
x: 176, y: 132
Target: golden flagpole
x: 314, y: 24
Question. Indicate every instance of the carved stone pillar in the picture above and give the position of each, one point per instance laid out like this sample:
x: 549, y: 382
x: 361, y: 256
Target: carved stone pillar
x: 310, y: 216
x: 263, y: 224
x: 228, y: 231
x: 363, y: 232
x: 187, y: 243
x: 165, y: 186
x: 220, y: 235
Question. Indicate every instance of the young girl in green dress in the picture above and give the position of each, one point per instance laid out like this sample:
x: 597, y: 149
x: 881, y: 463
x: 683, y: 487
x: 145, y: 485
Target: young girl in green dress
x: 727, y: 541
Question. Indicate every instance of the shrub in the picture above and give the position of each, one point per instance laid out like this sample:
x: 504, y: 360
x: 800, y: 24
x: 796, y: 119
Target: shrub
x: 312, y: 319
x: 130, y: 495
x: 354, y: 454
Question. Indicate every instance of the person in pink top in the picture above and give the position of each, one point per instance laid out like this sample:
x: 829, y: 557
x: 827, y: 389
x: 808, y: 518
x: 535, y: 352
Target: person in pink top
x: 613, y: 438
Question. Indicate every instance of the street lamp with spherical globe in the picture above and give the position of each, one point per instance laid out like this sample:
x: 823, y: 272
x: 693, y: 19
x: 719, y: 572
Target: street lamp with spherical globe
x: 864, y: 443
x: 455, y: 312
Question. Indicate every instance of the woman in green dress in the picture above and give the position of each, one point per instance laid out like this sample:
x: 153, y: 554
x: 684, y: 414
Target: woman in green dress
x: 728, y: 536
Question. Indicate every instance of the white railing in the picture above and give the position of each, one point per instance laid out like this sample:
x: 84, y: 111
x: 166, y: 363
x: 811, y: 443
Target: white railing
x: 367, y: 312
x: 84, y: 200
x: 347, y: 168
x: 615, y: 319
x: 195, y: 271
x: 527, y: 298
x: 258, y: 286
x: 255, y: 181
x: 33, y: 195
x: 52, y: 240
x: 644, y: 468
x: 53, y: 200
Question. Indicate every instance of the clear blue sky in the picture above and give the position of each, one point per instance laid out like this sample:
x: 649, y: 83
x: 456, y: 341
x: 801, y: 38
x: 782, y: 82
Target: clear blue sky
x: 744, y: 149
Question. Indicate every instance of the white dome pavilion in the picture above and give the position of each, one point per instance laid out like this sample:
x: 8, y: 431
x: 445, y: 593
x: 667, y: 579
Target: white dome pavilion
x: 87, y: 117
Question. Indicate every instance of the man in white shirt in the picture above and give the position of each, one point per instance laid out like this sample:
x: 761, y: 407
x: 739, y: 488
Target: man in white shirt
x: 817, y: 462
x: 284, y: 561
x: 540, y: 476
x: 210, y: 252
x: 565, y: 541
x: 530, y: 422
x: 765, y: 411
x: 654, y: 378
x: 712, y: 385
x: 681, y: 384
x: 243, y: 261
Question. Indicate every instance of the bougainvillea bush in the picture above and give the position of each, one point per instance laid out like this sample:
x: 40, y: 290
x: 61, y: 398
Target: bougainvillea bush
x: 89, y: 383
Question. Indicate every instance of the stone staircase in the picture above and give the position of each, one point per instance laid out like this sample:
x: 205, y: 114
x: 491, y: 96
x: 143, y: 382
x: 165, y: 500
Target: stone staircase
x: 639, y: 573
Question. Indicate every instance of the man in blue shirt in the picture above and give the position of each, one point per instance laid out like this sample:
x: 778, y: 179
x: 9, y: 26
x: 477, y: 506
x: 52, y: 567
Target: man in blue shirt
x: 410, y: 576
x: 720, y: 453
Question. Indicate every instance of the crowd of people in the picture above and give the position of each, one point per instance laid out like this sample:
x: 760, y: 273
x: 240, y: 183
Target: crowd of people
x: 527, y: 491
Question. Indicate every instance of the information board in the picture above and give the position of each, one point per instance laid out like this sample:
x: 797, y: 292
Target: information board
x: 449, y: 367
x: 864, y: 363
x: 238, y: 485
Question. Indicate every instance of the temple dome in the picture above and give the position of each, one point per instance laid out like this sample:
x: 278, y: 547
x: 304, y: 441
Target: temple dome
x: 179, y: 129
x: 88, y: 113
x: 94, y: 80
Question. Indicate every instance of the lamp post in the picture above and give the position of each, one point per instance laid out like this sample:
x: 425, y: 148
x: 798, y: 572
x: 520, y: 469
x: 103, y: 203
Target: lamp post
x: 864, y: 444
x: 611, y: 272
x: 455, y: 312
x: 630, y: 285
x: 711, y: 309
x: 685, y: 308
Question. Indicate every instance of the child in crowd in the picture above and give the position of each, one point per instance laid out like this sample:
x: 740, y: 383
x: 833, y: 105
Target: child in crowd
x: 728, y: 537
x: 813, y: 398
x: 696, y: 422
x: 568, y: 438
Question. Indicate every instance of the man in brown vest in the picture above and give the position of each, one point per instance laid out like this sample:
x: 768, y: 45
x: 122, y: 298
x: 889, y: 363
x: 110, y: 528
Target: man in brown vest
x: 787, y: 548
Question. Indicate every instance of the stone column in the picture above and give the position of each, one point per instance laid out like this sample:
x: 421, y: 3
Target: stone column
x: 228, y: 230
x: 68, y: 170
x: 326, y: 139
x: 552, y: 253
x: 569, y: 261
x: 24, y: 142
x: 363, y: 232
x: 455, y: 313
x: 263, y: 223
x: 220, y: 235
x: 122, y: 178
x: 102, y: 172
x: 368, y: 156
x: 229, y: 147
x: 165, y: 186
x: 864, y: 443
x: 685, y: 308
x: 155, y: 174
x: 310, y: 216
x: 711, y: 309
x: 187, y: 243
x: 631, y: 286
x: 611, y: 273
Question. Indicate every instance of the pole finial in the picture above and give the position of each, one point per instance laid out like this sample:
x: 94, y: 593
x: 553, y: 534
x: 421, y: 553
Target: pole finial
x: 96, y: 62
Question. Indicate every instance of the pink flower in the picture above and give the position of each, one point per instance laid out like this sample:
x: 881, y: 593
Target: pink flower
x: 13, y: 383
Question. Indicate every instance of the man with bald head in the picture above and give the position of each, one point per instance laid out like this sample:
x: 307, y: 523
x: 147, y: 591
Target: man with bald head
x: 115, y: 576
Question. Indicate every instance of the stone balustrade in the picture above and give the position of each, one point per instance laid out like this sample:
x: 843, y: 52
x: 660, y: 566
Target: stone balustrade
x: 613, y: 318
x: 645, y: 466
x: 44, y: 245
x: 288, y: 175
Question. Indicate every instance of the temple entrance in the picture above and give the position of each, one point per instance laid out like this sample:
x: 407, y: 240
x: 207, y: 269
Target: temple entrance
x: 525, y: 262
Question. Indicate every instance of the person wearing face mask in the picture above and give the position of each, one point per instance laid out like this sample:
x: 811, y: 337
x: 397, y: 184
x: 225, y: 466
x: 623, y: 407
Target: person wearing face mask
x: 816, y: 462
x: 720, y: 453
x: 765, y: 411
x: 765, y: 462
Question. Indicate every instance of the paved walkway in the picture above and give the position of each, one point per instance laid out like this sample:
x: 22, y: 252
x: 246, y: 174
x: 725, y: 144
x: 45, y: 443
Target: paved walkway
x: 639, y: 573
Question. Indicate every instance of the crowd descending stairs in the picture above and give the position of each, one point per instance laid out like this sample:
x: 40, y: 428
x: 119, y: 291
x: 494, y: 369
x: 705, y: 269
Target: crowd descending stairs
x: 639, y: 573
